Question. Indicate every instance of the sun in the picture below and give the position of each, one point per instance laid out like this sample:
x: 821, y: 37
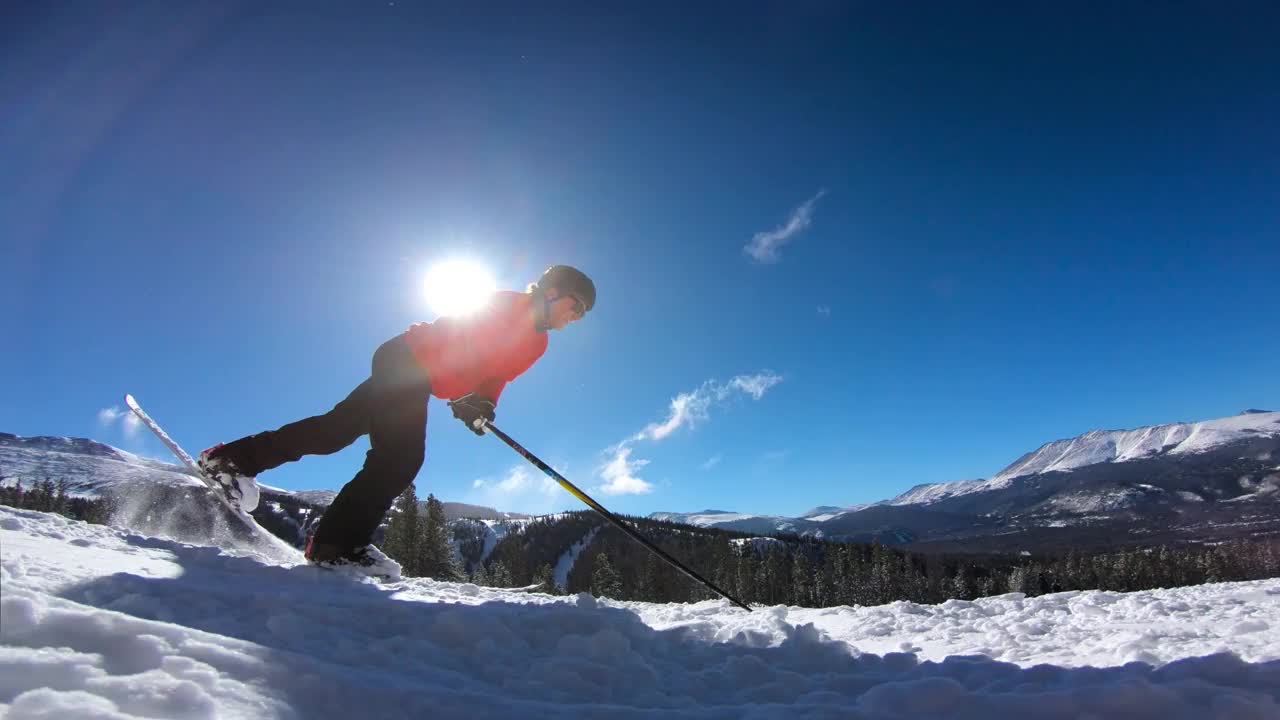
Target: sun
x: 457, y: 287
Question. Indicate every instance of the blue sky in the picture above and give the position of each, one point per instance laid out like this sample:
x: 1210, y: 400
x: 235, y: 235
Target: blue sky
x: 839, y: 251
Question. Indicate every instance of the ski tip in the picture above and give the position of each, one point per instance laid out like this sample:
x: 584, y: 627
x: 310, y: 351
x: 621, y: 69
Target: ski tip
x: 128, y: 400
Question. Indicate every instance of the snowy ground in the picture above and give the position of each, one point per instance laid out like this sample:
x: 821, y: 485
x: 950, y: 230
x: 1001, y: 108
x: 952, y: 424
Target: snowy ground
x: 99, y: 623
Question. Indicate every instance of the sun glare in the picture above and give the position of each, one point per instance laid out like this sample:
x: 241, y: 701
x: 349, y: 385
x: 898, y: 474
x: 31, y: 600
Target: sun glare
x: 457, y: 287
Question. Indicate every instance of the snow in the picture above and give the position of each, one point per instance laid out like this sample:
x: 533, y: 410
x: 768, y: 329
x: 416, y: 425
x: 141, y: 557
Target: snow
x: 706, y: 518
x: 98, y: 622
x: 88, y: 466
x: 321, y: 498
x: 1082, y: 503
x: 494, y: 531
x: 1098, y: 446
x: 837, y: 512
x: 564, y: 565
x: 759, y: 544
x: 828, y: 512
x: 740, y: 522
x: 933, y: 492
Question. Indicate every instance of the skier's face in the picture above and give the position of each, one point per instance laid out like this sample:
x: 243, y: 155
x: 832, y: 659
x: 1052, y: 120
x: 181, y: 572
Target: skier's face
x: 563, y: 309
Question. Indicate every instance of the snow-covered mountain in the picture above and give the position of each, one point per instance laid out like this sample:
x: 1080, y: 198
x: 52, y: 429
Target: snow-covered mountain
x: 742, y: 522
x: 1110, y: 446
x: 455, y: 510
x: 745, y: 522
x: 1179, y: 481
x: 88, y: 466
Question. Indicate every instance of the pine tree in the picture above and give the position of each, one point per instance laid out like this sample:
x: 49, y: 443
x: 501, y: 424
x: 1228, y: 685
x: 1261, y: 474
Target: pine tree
x: 859, y: 583
x: 646, y: 586
x: 962, y: 585
x: 825, y: 581
x: 1212, y: 567
x: 748, y: 587
x: 499, y: 575
x: 1270, y: 560
x: 914, y: 585
x: 480, y: 576
x: 802, y: 581
x: 883, y: 582
x: 401, y: 540
x: 725, y: 577
x: 436, y: 558
x: 777, y: 580
x: 42, y: 496
x: 987, y: 585
x: 61, y: 504
x: 605, y: 581
x: 546, y: 580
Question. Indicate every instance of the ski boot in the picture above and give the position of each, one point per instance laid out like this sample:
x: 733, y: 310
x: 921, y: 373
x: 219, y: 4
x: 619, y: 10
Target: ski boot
x: 367, y: 560
x: 241, y: 489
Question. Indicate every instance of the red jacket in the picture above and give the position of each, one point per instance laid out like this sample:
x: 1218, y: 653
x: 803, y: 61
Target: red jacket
x: 480, y: 352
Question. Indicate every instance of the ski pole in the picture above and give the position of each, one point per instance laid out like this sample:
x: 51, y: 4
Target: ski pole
x: 564, y: 483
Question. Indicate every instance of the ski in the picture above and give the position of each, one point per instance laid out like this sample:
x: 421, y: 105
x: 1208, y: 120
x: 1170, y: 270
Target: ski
x: 186, y: 459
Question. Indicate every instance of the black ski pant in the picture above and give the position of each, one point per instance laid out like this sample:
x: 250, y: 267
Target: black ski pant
x: 391, y: 407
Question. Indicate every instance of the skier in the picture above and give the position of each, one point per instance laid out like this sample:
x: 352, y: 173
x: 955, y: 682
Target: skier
x: 466, y: 360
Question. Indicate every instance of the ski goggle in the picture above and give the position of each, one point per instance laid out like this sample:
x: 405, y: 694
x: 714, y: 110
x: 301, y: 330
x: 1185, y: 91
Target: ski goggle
x: 579, y: 307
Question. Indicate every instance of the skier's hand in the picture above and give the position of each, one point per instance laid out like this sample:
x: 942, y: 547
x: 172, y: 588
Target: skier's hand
x: 474, y: 411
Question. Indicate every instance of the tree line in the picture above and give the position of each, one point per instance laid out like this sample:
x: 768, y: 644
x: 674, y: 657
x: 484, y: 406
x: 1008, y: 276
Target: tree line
x: 426, y: 544
x: 809, y: 572
x: 49, y: 496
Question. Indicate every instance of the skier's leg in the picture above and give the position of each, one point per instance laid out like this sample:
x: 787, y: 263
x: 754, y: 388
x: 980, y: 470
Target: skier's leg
x: 317, y: 435
x: 397, y: 440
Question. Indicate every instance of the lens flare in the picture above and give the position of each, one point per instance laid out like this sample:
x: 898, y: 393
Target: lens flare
x: 457, y: 287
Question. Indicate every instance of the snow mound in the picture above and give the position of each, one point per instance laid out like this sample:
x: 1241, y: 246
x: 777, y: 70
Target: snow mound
x: 100, y: 623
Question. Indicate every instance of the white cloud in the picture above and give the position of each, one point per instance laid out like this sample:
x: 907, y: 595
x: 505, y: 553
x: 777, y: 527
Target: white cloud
x: 693, y: 407
x: 521, y: 489
x: 116, y: 416
x: 755, y: 385
x: 523, y: 479
x: 711, y: 462
x: 619, y: 474
x: 824, y: 310
x: 764, y: 246
x: 687, y: 410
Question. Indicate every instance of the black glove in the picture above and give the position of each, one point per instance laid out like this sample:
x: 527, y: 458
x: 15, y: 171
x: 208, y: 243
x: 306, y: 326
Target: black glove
x: 474, y: 411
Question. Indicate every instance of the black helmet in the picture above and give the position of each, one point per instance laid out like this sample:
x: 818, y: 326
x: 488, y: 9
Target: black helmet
x: 569, y: 281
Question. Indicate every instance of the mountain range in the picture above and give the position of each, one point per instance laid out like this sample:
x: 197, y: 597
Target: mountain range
x: 1202, y: 481
x: 1199, y: 481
